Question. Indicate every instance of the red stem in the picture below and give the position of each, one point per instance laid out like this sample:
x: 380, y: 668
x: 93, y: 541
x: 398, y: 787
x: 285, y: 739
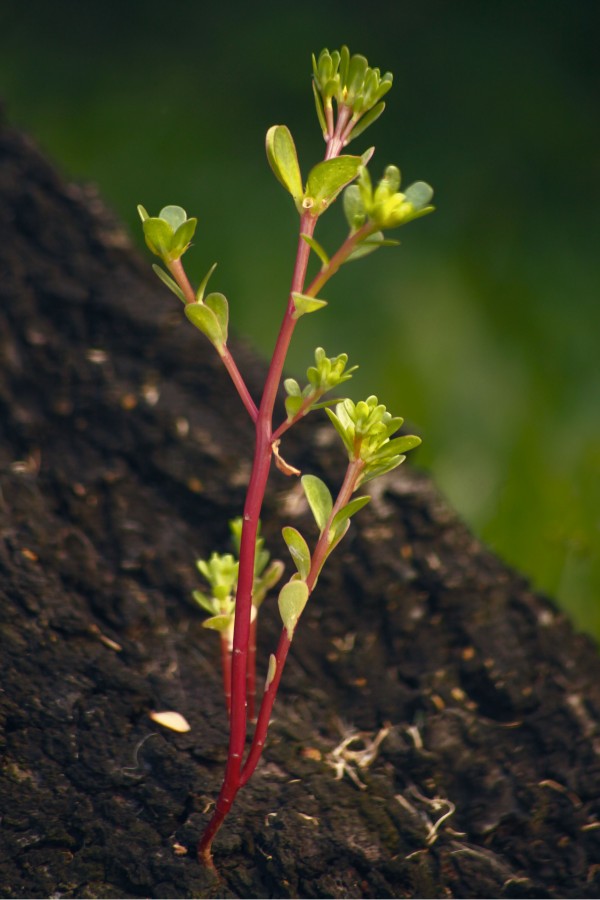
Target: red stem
x: 243, y: 605
x: 251, y: 673
x: 232, y: 780
x: 319, y: 554
x: 226, y: 666
x: 178, y: 272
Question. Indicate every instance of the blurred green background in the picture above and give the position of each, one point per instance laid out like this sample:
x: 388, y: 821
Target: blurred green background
x: 483, y: 328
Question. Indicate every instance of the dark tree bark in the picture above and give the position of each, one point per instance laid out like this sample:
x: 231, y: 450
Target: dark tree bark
x: 123, y: 452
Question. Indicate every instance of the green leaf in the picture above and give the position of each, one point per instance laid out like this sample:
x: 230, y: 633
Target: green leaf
x: 182, y: 237
x: 271, y: 671
x: 283, y: 159
x: 158, y: 235
x: 382, y: 469
x: 203, y: 283
x: 304, y: 304
x: 175, y: 216
x: 319, y: 108
x: 205, y: 602
x: 419, y: 194
x: 366, y: 120
x: 205, y: 320
x: 170, y: 282
x: 291, y: 602
x: 324, y: 404
x: 354, y: 208
x: 292, y: 387
x: 316, y: 246
x: 396, y: 446
x: 370, y: 244
x: 347, y: 511
x: 218, y: 623
x: 298, y: 550
x: 319, y: 499
x: 327, y: 179
x: 218, y: 304
x: 292, y: 406
x: 339, y: 427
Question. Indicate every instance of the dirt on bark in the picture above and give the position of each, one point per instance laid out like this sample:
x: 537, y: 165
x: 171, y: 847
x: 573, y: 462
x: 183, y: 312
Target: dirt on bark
x: 437, y: 730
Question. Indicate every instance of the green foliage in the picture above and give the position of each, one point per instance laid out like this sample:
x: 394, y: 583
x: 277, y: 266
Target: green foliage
x: 304, y: 304
x: 353, y: 84
x: 221, y: 573
x: 283, y: 159
x: 326, y: 374
x: 327, y: 179
x: 298, y: 550
x: 366, y: 428
x: 211, y: 317
x: 169, y: 234
x: 292, y: 600
x: 316, y: 247
x: 385, y: 207
x: 319, y: 499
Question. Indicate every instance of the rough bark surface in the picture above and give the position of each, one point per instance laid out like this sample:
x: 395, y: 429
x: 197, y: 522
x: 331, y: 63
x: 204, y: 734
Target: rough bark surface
x: 123, y: 452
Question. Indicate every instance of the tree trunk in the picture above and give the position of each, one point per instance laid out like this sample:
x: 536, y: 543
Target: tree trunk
x: 436, y: 734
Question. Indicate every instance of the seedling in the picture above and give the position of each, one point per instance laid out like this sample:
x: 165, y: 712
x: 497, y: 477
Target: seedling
x: 348, y: 96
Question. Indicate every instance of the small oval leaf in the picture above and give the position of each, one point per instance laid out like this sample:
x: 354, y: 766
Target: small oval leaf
x: 271, y: 671
x: 218, y: 623
x: 319, y: 499
x: 174, y: 215
x: 206, y: 321
x: 218, y: 304
x: 292, y: 600
x: 283, y: 159
x: 327, y: 179
x: 298, y: 550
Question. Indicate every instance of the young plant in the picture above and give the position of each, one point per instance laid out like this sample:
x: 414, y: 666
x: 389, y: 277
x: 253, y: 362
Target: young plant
x: 348, y: 96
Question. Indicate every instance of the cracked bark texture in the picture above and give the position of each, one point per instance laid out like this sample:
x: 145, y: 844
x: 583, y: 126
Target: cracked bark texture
x: 123, y: 453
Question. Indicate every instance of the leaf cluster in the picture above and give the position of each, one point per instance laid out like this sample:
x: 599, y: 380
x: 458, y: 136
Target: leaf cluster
x: 353, y: 84
x: 169, y: 234
x: 326, y: 374
x: 385, y: 206
x: 221, y: 573
x: 325, y: 180
x: 366, y: 430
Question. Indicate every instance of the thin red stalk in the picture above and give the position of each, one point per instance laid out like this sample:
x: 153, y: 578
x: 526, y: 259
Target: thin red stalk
x: 239, y: 382
x: 266, y: 707
x: 254, y: 499
x: 226, y: 666
x: 251, y: 673
x: 232, y: 780
x: 338, y: 258
x: 320, y: 552
x: 178, y: 272
x: 304, y: 409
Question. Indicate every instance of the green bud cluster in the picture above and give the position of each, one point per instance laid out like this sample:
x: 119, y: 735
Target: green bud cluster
x: 366, y: 430
x: 353, y: 84
x: 385, y: 206
x: 168, y: 235
x: 221, y: 573
x: 326, y: 374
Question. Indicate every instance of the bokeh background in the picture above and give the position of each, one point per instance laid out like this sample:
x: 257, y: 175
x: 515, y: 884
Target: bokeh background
x: 483, y: 328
